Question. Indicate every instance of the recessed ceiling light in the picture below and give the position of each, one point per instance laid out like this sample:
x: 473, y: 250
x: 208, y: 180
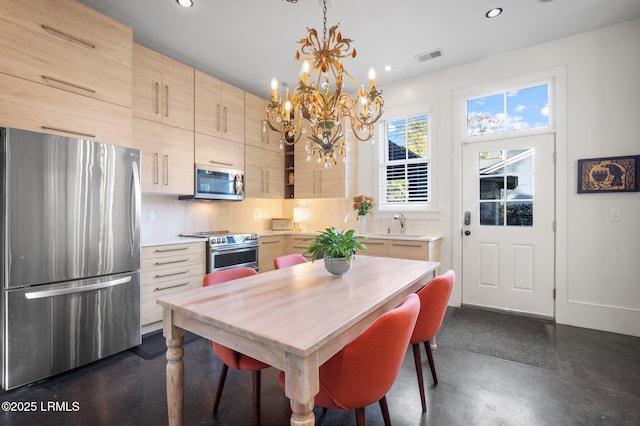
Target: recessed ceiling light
x: 185, y: 3
x: 387, y: 68
x: 496, y: 11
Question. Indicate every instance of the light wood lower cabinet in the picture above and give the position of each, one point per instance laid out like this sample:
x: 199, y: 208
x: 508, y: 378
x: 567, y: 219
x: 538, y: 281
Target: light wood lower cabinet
x: 271, y: 246
x: 297, y: 243
x: 168, y: 269
x: 403, y: 249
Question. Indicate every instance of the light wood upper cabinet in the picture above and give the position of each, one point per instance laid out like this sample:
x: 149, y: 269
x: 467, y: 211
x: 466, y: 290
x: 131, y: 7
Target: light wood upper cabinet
x: 313, y: 180
x: 167, y: 157
x: 219, y: 108
x: 69, y: 46
x: 264, y: 173
x: 214, y: 151
x: 31, y: 106
x: 257, y: 132
x: 163, y: 89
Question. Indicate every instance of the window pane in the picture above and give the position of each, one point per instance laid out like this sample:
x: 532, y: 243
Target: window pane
x: 491, y: 163
x: 520, y: 174
x: 520, y: 213
x: 408, y: 138
x: 491, y: 213
x: 485, y: 115
x: 528, y: 108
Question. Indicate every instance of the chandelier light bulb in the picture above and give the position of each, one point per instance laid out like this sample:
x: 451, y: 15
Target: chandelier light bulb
x: 372, y: 78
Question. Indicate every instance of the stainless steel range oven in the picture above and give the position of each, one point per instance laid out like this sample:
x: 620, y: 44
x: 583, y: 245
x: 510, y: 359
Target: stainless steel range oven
x: 227, y: 250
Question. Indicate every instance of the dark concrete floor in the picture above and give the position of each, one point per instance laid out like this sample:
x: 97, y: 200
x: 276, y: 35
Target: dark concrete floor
x: 597, y: 383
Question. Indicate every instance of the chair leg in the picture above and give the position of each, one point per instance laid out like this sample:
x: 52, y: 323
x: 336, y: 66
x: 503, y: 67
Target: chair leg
x: 418, y: 362
x: 361, y: 418
x: 223, y: 377
x: 432, y: 365
x: 256, y: 397
x: 385, y: 411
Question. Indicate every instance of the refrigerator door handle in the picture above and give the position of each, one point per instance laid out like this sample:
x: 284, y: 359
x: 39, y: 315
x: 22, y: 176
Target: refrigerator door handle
x: 135, y: 208
x: 90, y: 287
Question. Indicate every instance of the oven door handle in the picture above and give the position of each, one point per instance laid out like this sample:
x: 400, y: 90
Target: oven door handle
x: 228, y: 249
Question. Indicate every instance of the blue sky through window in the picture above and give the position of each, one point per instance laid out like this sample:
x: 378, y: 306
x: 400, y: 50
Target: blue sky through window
x: 511, y: 111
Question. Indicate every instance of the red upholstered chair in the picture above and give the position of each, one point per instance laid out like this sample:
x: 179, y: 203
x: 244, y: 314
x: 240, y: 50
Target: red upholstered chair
x: 288, y: 260
x: 229, y: 357
x: 364, y: 370
x: 434, y: 298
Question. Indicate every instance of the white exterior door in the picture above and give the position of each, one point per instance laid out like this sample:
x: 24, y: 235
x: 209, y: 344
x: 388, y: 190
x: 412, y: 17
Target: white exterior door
x: 508, y: 236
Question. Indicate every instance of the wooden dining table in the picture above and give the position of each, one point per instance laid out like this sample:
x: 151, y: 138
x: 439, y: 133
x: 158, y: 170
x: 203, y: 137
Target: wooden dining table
x: 293, y: 319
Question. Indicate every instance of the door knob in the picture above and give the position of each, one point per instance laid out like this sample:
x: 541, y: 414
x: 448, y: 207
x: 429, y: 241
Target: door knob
x: 467, y: 232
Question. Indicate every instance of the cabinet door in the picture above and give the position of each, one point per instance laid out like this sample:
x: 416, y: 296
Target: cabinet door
x: 177, y: 161
x: 254, y: 129
x: 305, y: 174
x: 232, y: 113
x: 273, y: 164
x: 66, y: 45
x: 208, y: 111
x: 31, y: 106
x: 147, y: 136
x: 270, y: 248
x: 147, y: 78
x: 177, y: 94
x: 213, y: 151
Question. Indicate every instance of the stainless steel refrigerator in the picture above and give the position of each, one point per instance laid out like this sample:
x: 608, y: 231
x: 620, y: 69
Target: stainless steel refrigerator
x: 70, y: 266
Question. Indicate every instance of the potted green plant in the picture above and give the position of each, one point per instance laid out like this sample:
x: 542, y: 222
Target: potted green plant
x: 336, y: 247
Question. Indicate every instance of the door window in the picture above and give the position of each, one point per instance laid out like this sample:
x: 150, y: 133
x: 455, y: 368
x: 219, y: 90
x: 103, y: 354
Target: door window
x: 506, y: 187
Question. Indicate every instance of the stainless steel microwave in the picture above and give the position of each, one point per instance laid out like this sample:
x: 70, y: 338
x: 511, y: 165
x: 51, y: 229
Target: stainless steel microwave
x: 217, y: 183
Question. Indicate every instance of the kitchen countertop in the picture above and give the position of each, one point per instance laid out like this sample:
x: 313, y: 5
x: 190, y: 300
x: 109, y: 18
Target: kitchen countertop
x: 411, y: 237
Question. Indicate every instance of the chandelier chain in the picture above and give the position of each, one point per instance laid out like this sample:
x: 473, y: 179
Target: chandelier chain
x: 324, y: 20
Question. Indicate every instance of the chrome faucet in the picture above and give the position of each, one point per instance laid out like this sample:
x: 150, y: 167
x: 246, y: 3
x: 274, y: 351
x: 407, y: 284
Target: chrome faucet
x: 401, y: 218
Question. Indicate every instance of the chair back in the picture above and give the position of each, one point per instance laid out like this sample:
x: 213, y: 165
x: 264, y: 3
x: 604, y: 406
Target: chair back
x: 288, y: 260
x: 217, y: 277
x: 229, y: 356
x: 364, y: 370
x: 434, y: 298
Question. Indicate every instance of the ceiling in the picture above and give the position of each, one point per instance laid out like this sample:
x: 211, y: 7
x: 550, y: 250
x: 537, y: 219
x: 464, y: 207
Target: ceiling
x: 248, y: 42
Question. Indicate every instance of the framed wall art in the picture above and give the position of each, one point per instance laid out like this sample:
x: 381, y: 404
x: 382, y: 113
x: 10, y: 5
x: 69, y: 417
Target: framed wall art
x: 609, y: 174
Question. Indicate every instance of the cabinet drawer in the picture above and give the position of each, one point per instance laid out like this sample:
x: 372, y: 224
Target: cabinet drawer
x: 67, y: 45
x: 375, y: 247
x: 409, y: 250
x: 298, y: 244
x: 150, y: 310
x: 31, y: 106
x: 171, y: 255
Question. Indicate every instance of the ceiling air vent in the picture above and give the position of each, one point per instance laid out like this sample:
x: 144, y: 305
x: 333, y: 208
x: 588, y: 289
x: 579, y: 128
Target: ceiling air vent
x: 429, y: 55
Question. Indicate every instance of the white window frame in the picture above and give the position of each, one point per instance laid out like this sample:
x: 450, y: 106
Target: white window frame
x: 506, y: 87
x: 395, y: 113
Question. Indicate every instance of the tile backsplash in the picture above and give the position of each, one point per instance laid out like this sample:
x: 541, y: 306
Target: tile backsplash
x: 165, y: 216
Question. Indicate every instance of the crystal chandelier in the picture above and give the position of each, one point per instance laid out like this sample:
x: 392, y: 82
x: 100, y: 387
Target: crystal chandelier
x: 318, y: 107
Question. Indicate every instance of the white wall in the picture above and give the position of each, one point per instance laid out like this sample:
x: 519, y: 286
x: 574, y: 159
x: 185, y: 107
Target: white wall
x: 598, y: 261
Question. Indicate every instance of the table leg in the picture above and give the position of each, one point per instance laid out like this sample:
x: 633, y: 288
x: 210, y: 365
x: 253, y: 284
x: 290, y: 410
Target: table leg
x: 175, y: 380
x: 302, y: 385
